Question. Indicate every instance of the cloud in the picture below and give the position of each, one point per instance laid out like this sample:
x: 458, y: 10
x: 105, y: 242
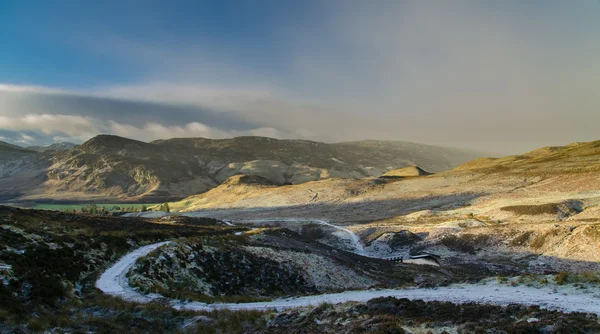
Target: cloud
x: 29, y: 89
x: 503, y: 78
x: 74, y: 128
x: 25, y: 139
x: 152, y: 131
x: 182, y: 93
x: 71, y: 125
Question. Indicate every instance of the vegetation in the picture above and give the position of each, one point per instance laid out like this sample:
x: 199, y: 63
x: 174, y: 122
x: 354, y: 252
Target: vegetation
x: 540, y: 241
x: 392, y: 315
x: 522, y: 239
x: 164, y: 207
x: 51, y: 261
x: 585, y: 277
x: 101, y: 209
x: 465, y: 243
x: 542, y: 209
x: 312, y: 232
x: 214, y: 269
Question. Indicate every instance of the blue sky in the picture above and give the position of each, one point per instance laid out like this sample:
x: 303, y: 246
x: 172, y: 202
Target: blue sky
x: 65, y: 32
x: 459, y: 73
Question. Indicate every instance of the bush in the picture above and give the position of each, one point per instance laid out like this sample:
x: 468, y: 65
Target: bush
x: 532, y: 210
x: 522, y: 239
x: 312, y: 232
x: 561, y: 278
x: 466, y: 243
x: 540, y: 241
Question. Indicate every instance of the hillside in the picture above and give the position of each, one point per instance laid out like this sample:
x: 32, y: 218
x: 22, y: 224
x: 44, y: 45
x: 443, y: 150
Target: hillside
x: 406, y: 172
x: 115, y: 168
x: 6, y: 147
x: 557, y: 182
x: 573, y: 158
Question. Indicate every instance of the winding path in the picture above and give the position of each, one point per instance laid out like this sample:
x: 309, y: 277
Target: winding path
x: 114, y: 282
x: 353, y: 237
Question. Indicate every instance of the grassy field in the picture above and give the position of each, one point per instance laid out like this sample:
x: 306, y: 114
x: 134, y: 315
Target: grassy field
x: 77, y: 207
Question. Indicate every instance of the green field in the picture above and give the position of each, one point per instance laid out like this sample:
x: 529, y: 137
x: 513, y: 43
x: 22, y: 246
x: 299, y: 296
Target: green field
x: 77, y: 207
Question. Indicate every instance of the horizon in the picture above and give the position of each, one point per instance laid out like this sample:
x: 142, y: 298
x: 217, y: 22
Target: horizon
x: 501, y: 78
x: 482, y: 154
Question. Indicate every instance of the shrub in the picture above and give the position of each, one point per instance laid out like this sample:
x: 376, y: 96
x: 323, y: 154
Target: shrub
x: 312, y: 232
x: 540, y: 241
x: 532, y: 210
x: 522, y: 239
x: 466, y: 243
x: 561, y: 278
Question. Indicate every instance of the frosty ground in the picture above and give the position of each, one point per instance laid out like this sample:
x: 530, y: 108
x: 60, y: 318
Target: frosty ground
x: 563, y: 298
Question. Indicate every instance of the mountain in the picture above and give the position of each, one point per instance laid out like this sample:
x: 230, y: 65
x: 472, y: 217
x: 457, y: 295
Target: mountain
x: 52, y: 147
x: 115, y: 168
x: 6, y: 147
x: 551, y: 181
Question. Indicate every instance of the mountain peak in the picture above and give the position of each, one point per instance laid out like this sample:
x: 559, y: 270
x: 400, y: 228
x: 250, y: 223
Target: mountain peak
x: 104, y: 142
x: 52, y: 147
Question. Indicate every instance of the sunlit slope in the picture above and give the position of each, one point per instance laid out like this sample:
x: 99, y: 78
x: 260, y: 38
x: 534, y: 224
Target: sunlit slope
x: 109, y: 168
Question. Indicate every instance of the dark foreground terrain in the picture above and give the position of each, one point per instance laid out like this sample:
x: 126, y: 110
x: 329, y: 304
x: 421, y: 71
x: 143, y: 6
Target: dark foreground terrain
x: 49, y: 262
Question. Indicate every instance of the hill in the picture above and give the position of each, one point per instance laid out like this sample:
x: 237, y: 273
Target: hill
x: 406, y: 172
x: 573, y: 158
x: 6, y: 147
x: 114, y: 168
x: 545, y: 183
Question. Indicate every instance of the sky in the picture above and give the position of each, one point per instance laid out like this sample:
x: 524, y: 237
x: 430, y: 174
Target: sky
x: 503, y: 77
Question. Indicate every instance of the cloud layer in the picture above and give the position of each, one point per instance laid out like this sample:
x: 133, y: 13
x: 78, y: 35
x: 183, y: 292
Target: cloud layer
x: 502, y: 78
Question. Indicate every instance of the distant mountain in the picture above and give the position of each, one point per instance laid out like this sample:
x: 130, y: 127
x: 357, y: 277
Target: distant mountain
x: 115, y: 168
x: 52, y: 147
x: 6, y: 147
x: 552, y: 182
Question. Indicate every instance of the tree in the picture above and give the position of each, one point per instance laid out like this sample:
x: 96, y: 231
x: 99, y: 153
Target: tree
x: 144, y: 208
x: 165, y: 207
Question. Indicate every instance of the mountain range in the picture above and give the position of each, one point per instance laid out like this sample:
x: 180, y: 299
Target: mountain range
x: 114, y: 168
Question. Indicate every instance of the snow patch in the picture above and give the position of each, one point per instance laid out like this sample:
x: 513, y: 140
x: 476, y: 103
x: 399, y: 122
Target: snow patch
x: 114, y: 282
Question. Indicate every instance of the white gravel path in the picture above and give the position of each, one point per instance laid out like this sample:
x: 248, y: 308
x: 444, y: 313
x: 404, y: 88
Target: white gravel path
x: 114, y: 282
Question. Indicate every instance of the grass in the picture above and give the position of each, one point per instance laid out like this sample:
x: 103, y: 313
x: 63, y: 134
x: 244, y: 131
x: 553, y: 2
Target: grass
x: 390, y: 315
x: 522, y: 239
x: 226, y: 271
x: 63, y: 207
x: 585, y: 277
x: 532, y: 210
x: 40, y: 295
x: 541, y: 240
x: 466, y: 243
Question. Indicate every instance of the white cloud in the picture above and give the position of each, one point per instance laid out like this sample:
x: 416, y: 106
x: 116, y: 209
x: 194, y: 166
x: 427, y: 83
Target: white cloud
x: 71, y: 125
x: 152, y: 131
x: 29, y: 89
x: 25, y: 139
x: 456, y: 73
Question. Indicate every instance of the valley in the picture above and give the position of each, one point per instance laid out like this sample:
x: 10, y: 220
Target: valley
x: 494, y: 235
x: 112, y: 169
